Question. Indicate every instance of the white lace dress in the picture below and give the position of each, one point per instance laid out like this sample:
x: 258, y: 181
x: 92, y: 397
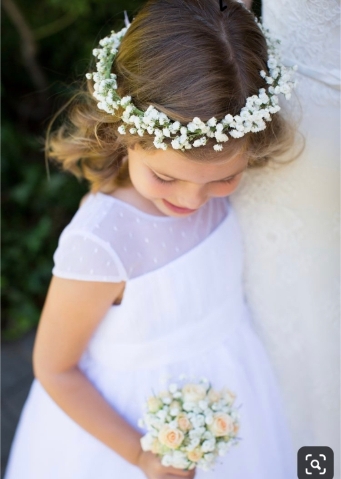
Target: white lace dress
x: 290, y: 222
x: 183, y: 311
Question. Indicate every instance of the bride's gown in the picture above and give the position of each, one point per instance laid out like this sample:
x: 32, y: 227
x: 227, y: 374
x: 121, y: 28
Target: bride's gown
x: 290, y: 221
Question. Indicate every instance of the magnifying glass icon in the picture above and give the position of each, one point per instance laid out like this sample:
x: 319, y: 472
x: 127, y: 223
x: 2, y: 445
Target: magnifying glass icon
x: 317, y: 466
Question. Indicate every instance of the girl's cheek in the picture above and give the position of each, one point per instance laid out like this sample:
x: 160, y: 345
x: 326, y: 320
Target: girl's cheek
x: 228, y: 188
x: 224, y: 189
x: 156, y: 189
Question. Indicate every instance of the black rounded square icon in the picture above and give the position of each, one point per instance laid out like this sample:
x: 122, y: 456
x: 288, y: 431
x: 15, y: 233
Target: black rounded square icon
x: 315, y: 461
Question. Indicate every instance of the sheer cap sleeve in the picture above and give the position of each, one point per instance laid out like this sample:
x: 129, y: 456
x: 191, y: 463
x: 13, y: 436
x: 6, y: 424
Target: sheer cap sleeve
x: 84, y: 256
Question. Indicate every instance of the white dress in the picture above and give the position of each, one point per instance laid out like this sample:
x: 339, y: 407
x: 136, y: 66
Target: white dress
x: 290, y: 223
x: 183, y: 311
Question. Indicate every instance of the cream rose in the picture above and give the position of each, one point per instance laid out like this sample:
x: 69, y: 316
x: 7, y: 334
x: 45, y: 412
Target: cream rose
x: 213, y: 395
x: 222, y: 424
x: 154, y: 404
x: 195, y: 455
x: 193, y: 392
x: 170, y: 437
x: 183, y: 422
x: 175, y: 404
x: 156, y: 447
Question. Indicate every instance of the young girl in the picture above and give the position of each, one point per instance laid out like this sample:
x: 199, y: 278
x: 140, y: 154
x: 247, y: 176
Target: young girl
x: 147, y: 282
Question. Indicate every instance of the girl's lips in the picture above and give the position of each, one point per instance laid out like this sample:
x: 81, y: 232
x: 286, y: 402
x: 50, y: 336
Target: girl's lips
x: 177, y: 209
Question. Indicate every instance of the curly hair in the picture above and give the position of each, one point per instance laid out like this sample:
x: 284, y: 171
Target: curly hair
x: 186, y: 59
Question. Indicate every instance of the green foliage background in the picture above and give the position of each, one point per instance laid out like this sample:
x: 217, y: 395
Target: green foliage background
x: 36, y: 208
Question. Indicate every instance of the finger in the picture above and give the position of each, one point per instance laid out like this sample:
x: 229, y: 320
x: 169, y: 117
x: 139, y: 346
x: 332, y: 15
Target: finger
x: 172, y: 476
x: 172, y: 470
x: 179, y: 473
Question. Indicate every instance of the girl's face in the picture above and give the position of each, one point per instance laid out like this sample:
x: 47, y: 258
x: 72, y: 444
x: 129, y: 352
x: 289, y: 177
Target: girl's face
x: 178, y: 186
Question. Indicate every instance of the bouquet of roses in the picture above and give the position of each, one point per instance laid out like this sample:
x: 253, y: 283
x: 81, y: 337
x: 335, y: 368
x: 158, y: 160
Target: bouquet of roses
x: 190, y: 425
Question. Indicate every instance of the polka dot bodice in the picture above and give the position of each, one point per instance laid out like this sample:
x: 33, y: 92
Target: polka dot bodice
x: 110, y: 240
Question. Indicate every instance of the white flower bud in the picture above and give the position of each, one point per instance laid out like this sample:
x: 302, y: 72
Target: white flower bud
x: 125, y: 100
x: 173, y: 387
x: 175, y: 144
x: 212, y: 121
x: 228, y: 119
x: 218, y: 147
x: 192, y: 127
x: 272, y: 62
x: 235, y: 134
x: 222, y: 137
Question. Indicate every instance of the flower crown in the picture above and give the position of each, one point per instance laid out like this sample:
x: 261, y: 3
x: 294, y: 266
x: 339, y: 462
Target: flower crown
x: 251, y: 118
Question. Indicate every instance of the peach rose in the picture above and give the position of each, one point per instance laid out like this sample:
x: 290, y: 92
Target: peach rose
x: 193, y: 392
x: 195, y: 455
x: 222, y: 424
x: 154, y: 404
x: 213, y: 395
x: 183, y: 422
x: 170, y: 437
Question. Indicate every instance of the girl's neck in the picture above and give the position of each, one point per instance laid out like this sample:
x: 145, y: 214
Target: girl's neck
x: 131, y: 196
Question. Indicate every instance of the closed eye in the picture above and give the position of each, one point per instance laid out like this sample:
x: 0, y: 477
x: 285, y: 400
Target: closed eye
x: 160, y: 179
x: 227, y: 180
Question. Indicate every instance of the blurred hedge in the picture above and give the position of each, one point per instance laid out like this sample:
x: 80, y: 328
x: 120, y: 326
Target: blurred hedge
x: 35, y: 208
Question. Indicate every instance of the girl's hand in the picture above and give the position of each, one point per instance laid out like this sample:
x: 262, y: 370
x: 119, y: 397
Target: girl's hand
x: 150, y: 464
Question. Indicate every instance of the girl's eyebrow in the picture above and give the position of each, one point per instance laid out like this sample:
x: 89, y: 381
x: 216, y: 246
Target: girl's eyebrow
x: 222, y: 179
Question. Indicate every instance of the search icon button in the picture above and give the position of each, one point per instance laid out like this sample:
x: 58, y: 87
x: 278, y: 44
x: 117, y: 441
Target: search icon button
x: 315, y: 462
x: 317, y: 466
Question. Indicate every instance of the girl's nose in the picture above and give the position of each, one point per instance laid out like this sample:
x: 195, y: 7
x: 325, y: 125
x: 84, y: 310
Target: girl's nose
x: 193, y: 197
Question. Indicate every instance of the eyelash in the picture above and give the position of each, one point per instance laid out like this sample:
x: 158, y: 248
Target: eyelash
x: 160, y: 179
x: 229, y: 180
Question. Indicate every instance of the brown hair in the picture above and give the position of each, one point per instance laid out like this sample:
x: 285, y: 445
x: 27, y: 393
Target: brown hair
x: 187, y: 59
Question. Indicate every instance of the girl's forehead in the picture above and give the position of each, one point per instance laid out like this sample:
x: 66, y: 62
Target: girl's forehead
x: 172, y: 164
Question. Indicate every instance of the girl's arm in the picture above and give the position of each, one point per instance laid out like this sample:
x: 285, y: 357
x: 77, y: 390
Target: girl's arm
x: 71, y: 313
